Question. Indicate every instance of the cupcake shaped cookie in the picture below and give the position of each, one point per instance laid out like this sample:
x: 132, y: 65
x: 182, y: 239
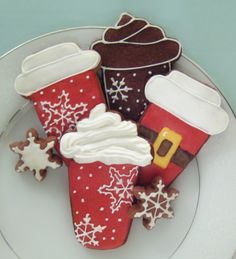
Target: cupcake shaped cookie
x: 132, y: 52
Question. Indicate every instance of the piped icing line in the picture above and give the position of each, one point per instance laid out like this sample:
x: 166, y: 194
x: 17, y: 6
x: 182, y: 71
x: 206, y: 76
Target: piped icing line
x: 123, y: 41
x: 106, y: 138
x: 190, y: 106
x: 195, y: 87
x: 133, y: 34
x: 54, y: 64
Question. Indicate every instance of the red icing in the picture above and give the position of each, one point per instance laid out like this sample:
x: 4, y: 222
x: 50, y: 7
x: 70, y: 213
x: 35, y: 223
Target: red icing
x: 82, y: 88
x: 85, y: 182
x: 156, y: 118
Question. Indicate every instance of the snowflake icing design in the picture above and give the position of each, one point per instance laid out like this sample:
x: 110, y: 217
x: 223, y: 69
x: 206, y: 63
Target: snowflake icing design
x: 85, y: 231
x: 120, y: 90
x: 36, y: 154
x: 62, y: 115
x: 154, y: 202
x: 120, y: 188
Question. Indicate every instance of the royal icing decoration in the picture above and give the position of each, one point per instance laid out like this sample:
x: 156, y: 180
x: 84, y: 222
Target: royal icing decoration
x: 120, y: 188
x: 106, y: 138
x: 52, y: 64
x: 189, y: 100
x: 86, y: 231
x: 36, y: 154
x: 101, y: 195
x: 119, y: 90
x: 62, y: 114
x: 174, y: 139
x: 132, y: 52
x: 153, y: 202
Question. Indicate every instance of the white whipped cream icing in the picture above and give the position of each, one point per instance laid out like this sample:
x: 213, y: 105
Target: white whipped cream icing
x: 106, y: 138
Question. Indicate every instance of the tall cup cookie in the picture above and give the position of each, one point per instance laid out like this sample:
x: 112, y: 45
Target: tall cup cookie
x: 61, y: 82
x: 132, y: 52
x: 182, y: 115
x: 107, y: 154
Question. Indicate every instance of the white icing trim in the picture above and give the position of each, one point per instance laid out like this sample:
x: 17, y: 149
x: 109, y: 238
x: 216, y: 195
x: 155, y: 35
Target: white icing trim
x: 124, y: 13
x: 194, y: 87
x: 191, y: 106
x: 106, y: 138
x: 52, y: 65
x: 146, y: 66
x: 137, y: 43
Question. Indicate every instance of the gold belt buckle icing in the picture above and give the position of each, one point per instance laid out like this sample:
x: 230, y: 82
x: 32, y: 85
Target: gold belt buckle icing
x: 165, y: 146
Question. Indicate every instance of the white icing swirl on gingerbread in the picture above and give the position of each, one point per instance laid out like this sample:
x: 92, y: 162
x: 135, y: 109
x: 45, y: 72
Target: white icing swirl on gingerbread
x: 106, y: 138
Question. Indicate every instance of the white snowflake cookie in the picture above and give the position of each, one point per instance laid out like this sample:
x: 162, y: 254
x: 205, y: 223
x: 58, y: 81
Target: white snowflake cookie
x: 36, y: 154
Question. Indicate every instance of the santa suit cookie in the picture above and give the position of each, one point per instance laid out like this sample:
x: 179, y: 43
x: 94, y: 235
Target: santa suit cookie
x: 106, y: 153
x: 61, y: 82
x: 182, y: 115
x: 132, y: 52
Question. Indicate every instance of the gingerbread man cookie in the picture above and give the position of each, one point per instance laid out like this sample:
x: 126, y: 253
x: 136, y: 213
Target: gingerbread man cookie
x: 36, y: 154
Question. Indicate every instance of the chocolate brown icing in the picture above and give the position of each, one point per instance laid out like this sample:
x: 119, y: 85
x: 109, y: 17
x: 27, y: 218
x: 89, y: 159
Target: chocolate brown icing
x: 124, y: 19
x: 132, y: 52
x: 119, y: 33
x: 127, y: 55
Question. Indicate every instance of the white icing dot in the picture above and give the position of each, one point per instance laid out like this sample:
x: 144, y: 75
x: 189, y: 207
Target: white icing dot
x: 87, y: 77
x: 119, y: 219
x: 90, y: 175
x: 120, y: 108
x: 118, y: 74
x: 35, y: 103
x: 128, y: 109
x: 43, y: 115
x: 139, y: 90
x: 106, y: 219
x: 101, y: 209
x: 103, y: 238
x: 81, y: 90
x: 71, y: 81
x: 78, y: 178
x: 41, y: 92
x: 100, y: 167
x: 53, y: 90
x: 134, y: 74
x: 149, y: 72
x: 137, y: 101
x: 123, y: 167
x: 77, y: 212
x: 74, y: 191
x: 113, y: 231
x: 112, y: 238
x: 87, y: 187
x: 83, y: 200
x: 94, y: 97
x: 164, y: 66
x: 81, y: 168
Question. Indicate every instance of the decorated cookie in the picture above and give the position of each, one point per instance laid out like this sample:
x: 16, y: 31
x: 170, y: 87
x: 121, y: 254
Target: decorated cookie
x: 182, y: 115
x: 153, y: 202
x: 62, y: 84
x: 132, y: 52
x: 36, y: 154
x: 107, y: 153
